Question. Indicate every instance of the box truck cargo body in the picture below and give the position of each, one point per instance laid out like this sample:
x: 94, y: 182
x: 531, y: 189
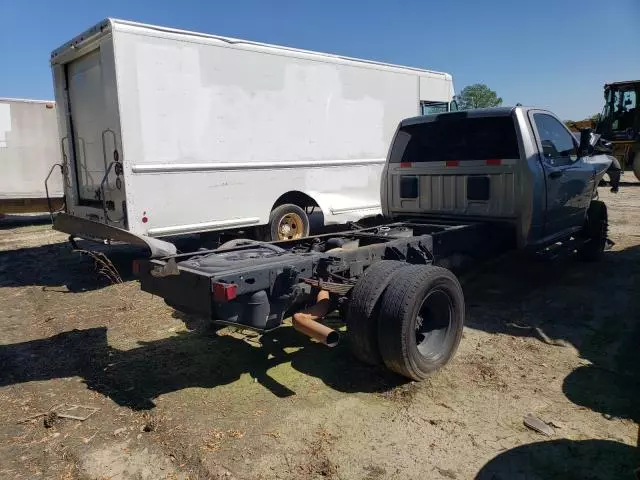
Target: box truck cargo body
x: 29, y: 148
x: 171, y: 132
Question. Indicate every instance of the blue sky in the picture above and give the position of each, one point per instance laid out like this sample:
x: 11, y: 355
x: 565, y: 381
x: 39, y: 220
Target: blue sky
x: 549, y: 53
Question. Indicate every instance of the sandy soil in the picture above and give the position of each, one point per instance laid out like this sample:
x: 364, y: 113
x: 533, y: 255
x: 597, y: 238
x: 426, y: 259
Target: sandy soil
x: 178, y: 399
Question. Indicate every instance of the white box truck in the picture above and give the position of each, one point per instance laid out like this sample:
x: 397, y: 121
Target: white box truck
x: 170, y: 132
x: 29, y: 149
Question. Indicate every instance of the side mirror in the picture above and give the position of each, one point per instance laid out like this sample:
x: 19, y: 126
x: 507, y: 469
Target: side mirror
x: 453, y: 106
x: 585, y: 148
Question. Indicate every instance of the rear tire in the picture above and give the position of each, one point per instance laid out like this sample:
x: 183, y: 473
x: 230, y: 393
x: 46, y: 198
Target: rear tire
x: 287, y: 222
x: 421, y: 321
x: 595, y: 232
x: 362, y: 311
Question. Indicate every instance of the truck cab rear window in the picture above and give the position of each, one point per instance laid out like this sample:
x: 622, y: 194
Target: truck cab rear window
x: 466, y: 138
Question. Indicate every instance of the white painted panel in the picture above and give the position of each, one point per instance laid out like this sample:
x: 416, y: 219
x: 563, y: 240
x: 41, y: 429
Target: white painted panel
x: 192, y: 103
x: 28, y: 149
x: 436, y: 89
x: 189, y: 104
x: 345, y: 193
x: 5, y: 123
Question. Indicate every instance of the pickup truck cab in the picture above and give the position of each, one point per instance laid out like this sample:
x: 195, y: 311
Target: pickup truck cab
x: 516, y: 165
x: 463, y: 185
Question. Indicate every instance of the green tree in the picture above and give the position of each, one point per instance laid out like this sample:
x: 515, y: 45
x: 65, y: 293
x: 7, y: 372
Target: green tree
x: 478, y: 96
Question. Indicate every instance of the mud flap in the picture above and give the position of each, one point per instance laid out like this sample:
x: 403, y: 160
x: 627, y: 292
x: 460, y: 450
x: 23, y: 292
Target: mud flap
x: 84, y: 228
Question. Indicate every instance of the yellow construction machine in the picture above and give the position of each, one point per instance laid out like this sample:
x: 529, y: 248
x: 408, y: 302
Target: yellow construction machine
x: 620, y: 123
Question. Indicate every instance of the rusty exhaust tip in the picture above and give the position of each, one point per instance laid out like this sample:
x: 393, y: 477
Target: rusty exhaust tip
x: 306, y: 322
x: 333, y: 339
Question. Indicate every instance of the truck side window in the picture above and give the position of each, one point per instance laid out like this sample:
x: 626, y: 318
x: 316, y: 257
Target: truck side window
x: 558, y: 145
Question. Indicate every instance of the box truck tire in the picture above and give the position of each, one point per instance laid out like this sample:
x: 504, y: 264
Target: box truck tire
x: 287, y: 222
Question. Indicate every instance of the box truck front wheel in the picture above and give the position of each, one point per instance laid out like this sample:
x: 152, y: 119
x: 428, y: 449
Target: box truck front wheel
x: 288, y: 222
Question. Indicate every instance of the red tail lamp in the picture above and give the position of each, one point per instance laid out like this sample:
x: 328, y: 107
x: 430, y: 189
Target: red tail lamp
x: 224, y: 292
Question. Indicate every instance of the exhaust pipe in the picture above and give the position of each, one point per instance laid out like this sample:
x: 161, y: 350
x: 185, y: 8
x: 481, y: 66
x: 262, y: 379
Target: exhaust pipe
x: 306, y: 321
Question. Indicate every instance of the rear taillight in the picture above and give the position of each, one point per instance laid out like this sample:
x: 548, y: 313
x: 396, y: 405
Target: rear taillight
x: 224, y: 292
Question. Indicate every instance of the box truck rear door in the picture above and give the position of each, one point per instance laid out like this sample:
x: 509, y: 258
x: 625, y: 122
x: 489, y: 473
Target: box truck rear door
x: 86, y: 98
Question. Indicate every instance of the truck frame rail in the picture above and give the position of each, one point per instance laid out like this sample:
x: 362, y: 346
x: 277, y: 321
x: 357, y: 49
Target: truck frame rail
x: 257, y: 285
x: 197, y: 282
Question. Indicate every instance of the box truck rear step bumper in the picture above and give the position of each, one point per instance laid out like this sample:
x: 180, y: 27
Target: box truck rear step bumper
x: 85, y: 228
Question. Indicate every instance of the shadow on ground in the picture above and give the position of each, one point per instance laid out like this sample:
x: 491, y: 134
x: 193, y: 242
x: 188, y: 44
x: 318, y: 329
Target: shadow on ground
x: 629, y: 184
x: 591, y: 306
x: 564, y: 459
x: 200, y: 358
x: 56, y: 265
x: 15, y: 221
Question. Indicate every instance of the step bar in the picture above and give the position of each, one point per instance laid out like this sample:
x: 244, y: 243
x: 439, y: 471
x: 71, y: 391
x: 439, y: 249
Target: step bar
x: 88, y: 229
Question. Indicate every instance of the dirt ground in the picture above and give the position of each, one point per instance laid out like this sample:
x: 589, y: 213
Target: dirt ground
x: 177, y: 399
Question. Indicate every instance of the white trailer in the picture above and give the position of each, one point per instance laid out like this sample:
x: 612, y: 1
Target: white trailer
x: 29, y: 148
x: 171, y: 132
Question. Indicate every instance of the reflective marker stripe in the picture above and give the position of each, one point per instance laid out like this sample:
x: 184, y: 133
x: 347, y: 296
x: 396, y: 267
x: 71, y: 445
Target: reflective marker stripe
x: 494, y: 162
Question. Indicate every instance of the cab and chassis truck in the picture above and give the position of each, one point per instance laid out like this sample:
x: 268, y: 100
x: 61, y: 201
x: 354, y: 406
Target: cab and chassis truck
x: 457, y: 188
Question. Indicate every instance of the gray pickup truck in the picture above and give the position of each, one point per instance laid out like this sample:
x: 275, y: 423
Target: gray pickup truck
x: 517, y: 165
x: 457, y: 186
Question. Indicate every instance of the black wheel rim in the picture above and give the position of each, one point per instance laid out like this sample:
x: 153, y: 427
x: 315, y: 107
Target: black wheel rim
x: 433, y: 324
